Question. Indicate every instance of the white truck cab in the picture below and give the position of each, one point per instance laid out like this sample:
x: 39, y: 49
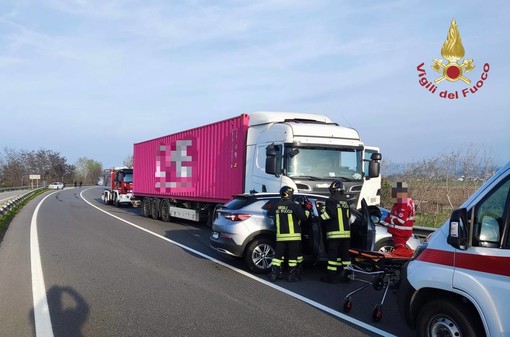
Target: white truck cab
x: 308, y: 152
x: 458, y: 281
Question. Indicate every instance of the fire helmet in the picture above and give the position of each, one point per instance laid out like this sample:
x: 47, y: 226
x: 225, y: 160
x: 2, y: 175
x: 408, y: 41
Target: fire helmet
x: 286, y: 192
x: 336, y: 186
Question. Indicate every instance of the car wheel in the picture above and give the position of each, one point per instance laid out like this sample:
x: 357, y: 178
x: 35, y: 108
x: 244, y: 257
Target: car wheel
x: 385, y: 245
x: 259, y: 255
x: 447, y: 318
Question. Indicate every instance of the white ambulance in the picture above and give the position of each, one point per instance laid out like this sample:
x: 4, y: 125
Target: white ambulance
x: 458, y: 281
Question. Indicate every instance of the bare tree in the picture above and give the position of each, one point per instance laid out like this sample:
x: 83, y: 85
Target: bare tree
x: 128, y: 162
x: 17, y: 165
x: 88, y: 170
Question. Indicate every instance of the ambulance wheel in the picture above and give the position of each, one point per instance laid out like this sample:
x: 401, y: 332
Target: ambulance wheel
x: 448, y: 317
x: 348, y: 304
x: 377, y: 313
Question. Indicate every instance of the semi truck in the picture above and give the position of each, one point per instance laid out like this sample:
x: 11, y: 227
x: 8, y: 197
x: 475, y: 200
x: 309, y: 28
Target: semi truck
x: 188, y: 174
x: 117, y: 186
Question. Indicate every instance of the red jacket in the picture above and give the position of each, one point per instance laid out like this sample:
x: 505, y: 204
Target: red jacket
x: 401, y: 218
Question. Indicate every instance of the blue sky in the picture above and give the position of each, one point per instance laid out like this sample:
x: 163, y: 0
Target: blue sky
x: 90, y: 78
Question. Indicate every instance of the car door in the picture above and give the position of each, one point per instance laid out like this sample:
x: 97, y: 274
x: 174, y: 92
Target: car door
x: 362, y: 229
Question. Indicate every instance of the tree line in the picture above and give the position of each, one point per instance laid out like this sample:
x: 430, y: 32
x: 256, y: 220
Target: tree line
x: 16, y: 166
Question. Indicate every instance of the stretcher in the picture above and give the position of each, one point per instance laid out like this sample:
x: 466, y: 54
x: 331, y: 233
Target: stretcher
x: 381, y: 270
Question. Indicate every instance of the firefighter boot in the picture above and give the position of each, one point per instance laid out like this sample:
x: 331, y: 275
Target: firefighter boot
x: 276, y: 273
x: 293, y: 275
x: 330, y: 277
x: 344, y: 276
x: 299, y: 270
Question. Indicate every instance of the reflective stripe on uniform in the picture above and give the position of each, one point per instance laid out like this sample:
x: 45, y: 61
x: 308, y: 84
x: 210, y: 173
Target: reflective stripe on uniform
x: 338, y: 235
x: 292, y: 235
x: 406, y: 228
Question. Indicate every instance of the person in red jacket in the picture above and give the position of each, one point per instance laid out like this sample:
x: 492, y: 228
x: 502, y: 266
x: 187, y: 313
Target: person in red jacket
x: 400, y: 220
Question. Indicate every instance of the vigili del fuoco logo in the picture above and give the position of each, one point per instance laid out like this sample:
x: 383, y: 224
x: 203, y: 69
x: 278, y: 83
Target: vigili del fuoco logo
x: 453, y: 70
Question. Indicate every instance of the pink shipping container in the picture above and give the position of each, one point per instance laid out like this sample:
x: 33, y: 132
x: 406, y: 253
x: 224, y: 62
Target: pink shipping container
x: 205, y: 164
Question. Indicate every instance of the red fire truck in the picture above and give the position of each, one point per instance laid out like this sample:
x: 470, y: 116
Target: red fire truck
x: 117, y: 186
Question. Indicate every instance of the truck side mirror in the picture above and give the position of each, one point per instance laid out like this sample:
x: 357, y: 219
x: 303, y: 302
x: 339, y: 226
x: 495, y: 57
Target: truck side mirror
x: 376, y: 156
x: 374, y: 169
x: 271, y: 152
x: 374, y: 166
x: 458, y: 232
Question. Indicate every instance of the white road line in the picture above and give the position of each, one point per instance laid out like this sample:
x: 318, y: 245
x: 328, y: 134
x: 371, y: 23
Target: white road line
x: 42, y: 319
x: 255, y: 278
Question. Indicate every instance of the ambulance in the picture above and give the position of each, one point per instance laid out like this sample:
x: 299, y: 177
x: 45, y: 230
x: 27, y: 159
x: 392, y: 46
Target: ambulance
x: 458, y: 281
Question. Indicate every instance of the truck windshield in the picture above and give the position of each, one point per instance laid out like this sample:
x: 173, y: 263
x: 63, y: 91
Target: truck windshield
x: 325, y: 163
x: 128, y: 178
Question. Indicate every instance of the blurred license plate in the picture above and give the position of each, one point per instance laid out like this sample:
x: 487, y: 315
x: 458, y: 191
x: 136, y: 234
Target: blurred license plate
x: 215, y: 235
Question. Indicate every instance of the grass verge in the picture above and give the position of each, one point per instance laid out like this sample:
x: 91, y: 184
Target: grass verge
x: 6, y: 218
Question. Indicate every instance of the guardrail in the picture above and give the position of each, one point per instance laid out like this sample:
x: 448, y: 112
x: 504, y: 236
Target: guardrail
x: 6, y: 189
x: 423, y: 232
x: 14, y: 201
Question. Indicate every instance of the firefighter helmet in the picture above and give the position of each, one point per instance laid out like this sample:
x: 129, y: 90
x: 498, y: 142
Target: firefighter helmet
x: 286, y: 192
x: 336, y: 186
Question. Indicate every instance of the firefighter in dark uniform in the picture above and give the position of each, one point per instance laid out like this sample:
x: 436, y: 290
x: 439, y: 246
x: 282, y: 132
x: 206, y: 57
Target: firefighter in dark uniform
x: 336, y: 223
x: 288, y: 216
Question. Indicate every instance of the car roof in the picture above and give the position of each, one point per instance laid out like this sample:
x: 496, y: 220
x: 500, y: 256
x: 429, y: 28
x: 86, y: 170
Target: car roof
x: 265, y: 195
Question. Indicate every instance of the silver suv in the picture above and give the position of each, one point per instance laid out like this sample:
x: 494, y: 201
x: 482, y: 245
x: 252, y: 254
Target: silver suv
x: 243, y: 229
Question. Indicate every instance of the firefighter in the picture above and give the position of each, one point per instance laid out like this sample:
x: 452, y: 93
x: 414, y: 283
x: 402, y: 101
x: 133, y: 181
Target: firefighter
x: 400, y: 220
x: 288, y: 217
x: 336, y: 223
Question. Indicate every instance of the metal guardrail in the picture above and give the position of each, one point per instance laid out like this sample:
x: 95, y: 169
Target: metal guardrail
x: 423, y: 232
x: 7, y: 189
x: 16, y: 200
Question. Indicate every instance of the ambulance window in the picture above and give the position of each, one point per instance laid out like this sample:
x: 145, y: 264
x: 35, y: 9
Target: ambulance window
x: 490, y: 217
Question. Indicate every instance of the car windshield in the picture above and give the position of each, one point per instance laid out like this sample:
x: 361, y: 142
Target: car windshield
x: 128, y: 178
x: 320, y: 163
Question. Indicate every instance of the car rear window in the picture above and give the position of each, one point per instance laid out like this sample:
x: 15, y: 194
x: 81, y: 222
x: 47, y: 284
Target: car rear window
x: 236, y: 203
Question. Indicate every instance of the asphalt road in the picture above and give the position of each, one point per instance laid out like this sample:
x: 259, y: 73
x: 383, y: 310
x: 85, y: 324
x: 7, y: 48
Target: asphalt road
x: 108, y: 271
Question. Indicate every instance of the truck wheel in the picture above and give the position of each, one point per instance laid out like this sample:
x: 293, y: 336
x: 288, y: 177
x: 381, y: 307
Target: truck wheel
x: 155, y: 208
x: 116, y: 202
x: 165, y: 210
x: 146, y: 207
x: 259, y: 255
x: 211, y: 214
x: 447, y: 318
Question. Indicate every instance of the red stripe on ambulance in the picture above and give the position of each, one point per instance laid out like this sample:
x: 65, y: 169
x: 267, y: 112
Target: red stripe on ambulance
x: 499, y: 265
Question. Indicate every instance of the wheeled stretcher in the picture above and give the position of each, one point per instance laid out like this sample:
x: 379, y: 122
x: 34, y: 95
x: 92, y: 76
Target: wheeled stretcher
x: 376, y: 269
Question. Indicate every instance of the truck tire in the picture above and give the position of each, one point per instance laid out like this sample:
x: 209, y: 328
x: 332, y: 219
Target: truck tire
x: 259, y: 255
x: 107, y: 199
x: 146, y: 207
x: 155, y: 208
x: 165, y: 210
x: 447, y: 317
x: 116, y: 202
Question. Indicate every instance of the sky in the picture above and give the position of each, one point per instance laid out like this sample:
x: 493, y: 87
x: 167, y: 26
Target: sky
x: 89, y: 78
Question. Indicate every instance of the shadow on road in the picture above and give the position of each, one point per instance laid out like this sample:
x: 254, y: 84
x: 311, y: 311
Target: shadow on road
x: 68, y: 311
